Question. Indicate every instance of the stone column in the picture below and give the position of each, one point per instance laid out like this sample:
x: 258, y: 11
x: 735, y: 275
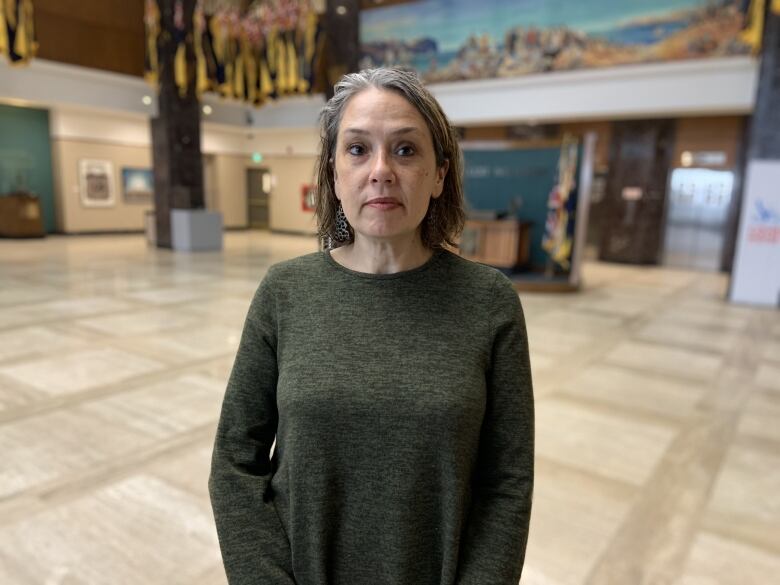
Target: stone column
x: 341, y: 24
x: 764, y: 135
x: 178, y: 169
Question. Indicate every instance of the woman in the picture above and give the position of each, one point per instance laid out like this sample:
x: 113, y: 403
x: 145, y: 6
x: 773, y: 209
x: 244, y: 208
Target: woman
x: 393, y: 374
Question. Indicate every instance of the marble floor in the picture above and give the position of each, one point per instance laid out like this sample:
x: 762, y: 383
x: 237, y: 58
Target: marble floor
x: 658, y: 448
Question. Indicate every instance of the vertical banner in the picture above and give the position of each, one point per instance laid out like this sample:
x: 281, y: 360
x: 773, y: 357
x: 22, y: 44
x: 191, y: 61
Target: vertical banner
x: 756, y: 275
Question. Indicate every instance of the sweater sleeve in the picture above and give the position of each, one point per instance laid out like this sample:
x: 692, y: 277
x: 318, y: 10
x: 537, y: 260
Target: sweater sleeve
x: 255, y: 548
x: 496, y: 533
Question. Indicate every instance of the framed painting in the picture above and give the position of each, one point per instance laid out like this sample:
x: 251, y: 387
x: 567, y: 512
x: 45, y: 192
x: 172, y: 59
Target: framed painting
x: 137, y: 186
x: 96, y: 183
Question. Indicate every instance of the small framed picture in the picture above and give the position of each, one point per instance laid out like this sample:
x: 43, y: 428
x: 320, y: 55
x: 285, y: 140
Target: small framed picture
x: 137, y: 186
x: 96, y: 183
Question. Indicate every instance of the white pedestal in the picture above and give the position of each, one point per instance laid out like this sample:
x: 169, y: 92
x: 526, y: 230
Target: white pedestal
x: 196, y: 230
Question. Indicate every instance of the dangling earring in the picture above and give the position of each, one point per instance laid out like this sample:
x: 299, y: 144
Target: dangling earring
x: 342, y: 227
x: 431, y: 215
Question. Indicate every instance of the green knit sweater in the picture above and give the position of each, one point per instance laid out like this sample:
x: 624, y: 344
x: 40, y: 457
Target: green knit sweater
x: 402, y: 409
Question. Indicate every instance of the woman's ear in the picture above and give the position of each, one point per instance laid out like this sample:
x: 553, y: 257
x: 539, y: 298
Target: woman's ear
x: 441, y: 173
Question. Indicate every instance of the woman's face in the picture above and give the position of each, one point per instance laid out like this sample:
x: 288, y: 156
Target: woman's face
x: 385, y: 166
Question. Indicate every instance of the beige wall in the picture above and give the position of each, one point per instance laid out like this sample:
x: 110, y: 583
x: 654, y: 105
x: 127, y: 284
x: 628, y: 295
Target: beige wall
x: 126, y: 142
x: 290, y: 175
x: 227, y: 189
x: 72, y: 215
x: 230, y: 189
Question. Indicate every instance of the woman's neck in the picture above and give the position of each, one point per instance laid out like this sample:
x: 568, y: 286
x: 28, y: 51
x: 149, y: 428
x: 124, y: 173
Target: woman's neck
x: 382, y: 257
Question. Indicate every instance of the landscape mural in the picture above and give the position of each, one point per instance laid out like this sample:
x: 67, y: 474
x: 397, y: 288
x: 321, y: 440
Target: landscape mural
x: 451, y: 40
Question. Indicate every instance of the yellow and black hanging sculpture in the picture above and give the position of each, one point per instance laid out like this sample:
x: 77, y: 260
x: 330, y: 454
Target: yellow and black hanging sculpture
x: 267, y: 52
x: 17, y: 31
x: 753, y: 30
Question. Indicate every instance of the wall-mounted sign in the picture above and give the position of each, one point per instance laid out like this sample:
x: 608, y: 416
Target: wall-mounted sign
x: 756, y: 275
x: 96, y: 183
x: 703, y: 158
x: 631, y: 193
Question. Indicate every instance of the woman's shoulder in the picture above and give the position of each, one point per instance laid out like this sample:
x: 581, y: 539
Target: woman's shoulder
x: 293, y: 272
x: 480, y: 275
x: 298, y: 266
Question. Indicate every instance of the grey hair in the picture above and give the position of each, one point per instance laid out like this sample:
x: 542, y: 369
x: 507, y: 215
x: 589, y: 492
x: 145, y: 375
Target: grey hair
x: 446, y: 215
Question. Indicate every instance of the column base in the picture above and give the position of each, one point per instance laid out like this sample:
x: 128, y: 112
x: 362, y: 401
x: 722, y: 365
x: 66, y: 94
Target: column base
x: 196, y: 230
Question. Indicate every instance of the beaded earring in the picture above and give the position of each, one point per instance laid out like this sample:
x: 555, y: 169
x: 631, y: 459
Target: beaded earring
x: 342, y: 227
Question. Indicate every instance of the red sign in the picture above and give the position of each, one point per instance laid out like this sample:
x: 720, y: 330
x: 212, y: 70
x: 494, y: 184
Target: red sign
x: 308, y: 194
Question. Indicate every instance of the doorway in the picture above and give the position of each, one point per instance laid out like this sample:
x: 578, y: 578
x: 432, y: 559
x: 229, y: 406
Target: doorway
x: 258, y: 189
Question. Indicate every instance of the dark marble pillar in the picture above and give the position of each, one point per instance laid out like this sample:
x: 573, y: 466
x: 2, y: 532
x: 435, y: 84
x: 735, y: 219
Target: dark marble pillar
x: 178, y: 170
x: 341, y: 26
x: 764, y: 135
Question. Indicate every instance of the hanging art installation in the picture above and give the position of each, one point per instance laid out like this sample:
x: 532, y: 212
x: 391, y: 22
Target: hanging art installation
x: 17, y: 31
x: 561, y: 203
x: 266, y: 52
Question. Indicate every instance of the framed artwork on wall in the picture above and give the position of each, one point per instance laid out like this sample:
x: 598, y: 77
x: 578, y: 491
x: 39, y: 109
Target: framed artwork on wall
x: 96, y: 183
x: 137, y: 186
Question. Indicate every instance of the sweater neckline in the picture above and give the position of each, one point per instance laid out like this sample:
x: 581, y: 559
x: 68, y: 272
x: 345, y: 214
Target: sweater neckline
x: 394, y: 275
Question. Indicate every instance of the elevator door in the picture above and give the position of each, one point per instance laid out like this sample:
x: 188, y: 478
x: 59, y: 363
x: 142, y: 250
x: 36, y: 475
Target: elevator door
x: 258, y: 191
x: 699, y: 201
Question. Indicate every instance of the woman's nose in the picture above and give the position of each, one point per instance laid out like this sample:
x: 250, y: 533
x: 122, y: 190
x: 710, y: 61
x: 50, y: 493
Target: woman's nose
x: 381, y: 171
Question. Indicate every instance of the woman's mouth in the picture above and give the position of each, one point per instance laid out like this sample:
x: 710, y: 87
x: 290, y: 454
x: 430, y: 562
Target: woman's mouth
x: 383, y: 203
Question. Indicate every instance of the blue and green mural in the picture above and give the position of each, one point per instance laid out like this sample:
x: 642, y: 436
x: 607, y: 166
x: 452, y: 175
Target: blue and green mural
x: 451, y: 40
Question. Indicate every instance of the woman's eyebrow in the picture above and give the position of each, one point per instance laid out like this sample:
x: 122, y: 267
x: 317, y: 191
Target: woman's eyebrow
x: 404, y: 130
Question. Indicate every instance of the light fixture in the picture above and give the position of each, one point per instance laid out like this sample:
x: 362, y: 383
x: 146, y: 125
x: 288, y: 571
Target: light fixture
x: 147, y: 100
x: 686, y: 158
x: 341, y: 10
x: 207, y: 109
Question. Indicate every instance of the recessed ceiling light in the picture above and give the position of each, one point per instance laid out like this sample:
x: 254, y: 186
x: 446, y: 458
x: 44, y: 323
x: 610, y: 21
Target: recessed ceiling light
x: 207, y: 109
x: 147, y: 100
x: 341, y: 10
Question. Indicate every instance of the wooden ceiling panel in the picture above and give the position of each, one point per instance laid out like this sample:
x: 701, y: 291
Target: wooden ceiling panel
x: 99, y: 34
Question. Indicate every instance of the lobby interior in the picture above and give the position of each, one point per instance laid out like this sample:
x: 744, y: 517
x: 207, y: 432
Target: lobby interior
x: 657, y: 389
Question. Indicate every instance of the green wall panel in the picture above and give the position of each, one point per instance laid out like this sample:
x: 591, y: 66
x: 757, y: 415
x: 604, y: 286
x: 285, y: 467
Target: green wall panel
x: 25, y: 157
x: 494, y: 179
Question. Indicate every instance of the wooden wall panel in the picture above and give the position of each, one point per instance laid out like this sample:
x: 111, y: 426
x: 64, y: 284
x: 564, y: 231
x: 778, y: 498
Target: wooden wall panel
x: 99, y: 34
x: 722, y: 134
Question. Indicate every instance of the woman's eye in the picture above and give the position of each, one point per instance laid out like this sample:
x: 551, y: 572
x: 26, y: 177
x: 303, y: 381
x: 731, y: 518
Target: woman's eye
x: 405, y: 150
x: 356, y: 149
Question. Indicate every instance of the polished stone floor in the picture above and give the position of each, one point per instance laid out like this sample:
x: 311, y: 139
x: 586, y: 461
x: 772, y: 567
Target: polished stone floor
x: 658, y: 456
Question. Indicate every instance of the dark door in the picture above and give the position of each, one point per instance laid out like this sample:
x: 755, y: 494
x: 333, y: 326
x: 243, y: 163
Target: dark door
x: 258, y: 188
x: 640, y: 157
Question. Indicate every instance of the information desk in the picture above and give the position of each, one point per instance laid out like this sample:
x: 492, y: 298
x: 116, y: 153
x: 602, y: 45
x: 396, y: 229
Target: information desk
x: 504, y: 243
x: 20, y: 216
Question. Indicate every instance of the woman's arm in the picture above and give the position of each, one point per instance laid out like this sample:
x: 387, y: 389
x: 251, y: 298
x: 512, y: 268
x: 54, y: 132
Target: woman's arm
x: 255, y: 549
x: 496, y: 533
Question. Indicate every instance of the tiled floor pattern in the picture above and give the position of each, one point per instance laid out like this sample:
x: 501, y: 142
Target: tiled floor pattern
x: 658, y: 450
